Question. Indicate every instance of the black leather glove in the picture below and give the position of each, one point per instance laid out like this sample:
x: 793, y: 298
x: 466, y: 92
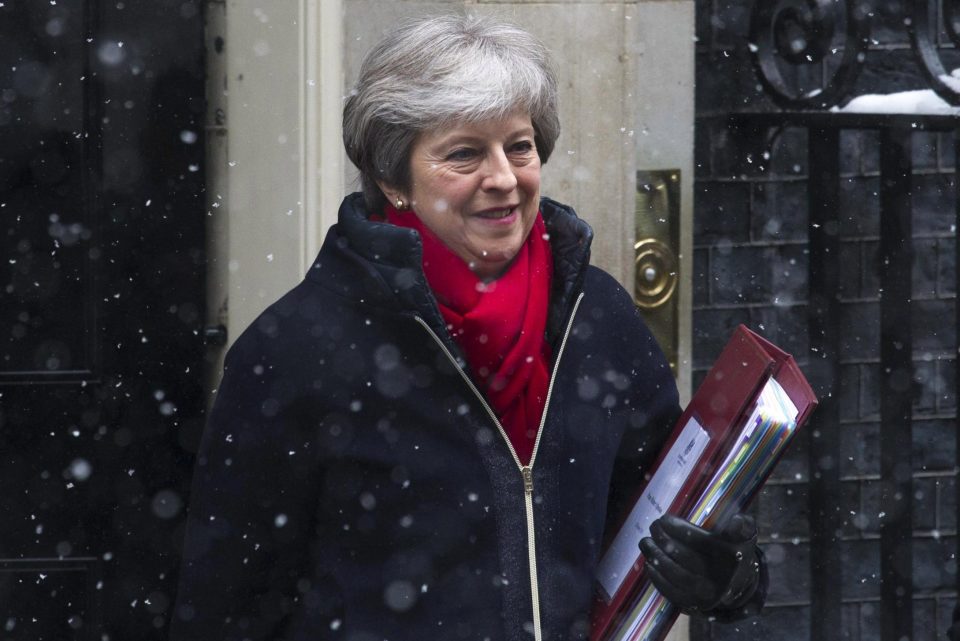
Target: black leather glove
x: 953, y: 632
x: 702, y: 571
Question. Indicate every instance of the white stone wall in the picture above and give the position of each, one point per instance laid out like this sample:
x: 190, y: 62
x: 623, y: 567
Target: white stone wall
x: 275, y: 163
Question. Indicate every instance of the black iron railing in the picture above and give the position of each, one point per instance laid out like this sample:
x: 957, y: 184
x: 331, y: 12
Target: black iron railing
x: 835, y: 35
x: 787, y: 39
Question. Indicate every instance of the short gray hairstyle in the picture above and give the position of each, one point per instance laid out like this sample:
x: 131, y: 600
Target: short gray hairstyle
x: 436, y: 71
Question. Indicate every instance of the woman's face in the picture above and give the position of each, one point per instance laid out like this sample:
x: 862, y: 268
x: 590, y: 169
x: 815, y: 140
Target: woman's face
x: 477, y: 188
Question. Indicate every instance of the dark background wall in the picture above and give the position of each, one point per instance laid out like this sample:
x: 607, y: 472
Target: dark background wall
x: 750, y: 266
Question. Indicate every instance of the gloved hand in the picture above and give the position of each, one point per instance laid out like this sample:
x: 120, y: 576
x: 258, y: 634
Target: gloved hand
x: 953, y: 632
x: 698, y: 570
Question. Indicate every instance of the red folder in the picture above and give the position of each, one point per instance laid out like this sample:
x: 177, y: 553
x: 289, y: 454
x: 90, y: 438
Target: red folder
x: 721, y: 405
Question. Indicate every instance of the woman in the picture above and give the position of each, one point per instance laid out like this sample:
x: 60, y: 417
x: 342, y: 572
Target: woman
x: 419, y: 441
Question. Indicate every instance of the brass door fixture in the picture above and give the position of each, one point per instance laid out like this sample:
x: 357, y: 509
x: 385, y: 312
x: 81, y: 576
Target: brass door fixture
x: 656, y: 268
x: 656, y: 273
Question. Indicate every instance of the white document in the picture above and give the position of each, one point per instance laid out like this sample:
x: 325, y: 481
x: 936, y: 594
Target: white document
x: 659, y: 494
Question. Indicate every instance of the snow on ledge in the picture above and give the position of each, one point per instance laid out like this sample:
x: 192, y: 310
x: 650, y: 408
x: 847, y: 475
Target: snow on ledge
x: 919, y: 102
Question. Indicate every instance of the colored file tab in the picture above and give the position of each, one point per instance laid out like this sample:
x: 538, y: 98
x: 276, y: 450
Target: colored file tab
x: 762, y: 439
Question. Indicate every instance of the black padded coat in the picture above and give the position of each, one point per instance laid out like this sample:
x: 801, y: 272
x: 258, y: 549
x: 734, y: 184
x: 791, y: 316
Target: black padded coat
x: 353, y: 484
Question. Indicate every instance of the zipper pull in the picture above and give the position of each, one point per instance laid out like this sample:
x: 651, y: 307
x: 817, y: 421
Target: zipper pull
x: 527, y: 479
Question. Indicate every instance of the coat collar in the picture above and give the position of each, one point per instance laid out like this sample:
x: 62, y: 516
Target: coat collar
x: 379, y: 264
x: 570, y: 239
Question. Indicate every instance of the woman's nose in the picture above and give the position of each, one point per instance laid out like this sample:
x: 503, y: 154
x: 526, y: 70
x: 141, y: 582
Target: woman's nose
x: 499, y: 173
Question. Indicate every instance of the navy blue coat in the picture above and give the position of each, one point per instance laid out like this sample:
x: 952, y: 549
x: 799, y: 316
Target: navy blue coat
x: 352, y: 484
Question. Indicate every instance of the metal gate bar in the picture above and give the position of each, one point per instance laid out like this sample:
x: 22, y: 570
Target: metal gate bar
x: 896, y: 382
x: 956, y: 353
x: 823, y: 149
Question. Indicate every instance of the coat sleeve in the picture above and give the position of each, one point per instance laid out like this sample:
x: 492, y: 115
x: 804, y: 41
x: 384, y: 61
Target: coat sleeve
x: 251, y: 509
x: 655, y: 410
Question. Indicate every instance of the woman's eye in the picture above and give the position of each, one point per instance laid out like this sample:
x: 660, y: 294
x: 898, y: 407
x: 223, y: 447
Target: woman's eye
x: 522, y: 147
x: 462, y: 154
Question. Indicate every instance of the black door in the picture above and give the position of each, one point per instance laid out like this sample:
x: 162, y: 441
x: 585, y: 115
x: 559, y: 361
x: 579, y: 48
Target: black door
x: 101, y: 310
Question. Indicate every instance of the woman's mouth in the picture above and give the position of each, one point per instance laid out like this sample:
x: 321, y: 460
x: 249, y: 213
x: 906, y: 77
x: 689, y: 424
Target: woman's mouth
x: 496, y: 214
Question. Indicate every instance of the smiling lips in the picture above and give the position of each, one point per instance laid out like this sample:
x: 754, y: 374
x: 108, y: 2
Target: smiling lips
x: 496, y: 214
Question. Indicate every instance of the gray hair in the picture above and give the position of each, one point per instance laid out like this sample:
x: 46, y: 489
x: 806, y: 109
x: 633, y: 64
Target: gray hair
x: 436, y: 71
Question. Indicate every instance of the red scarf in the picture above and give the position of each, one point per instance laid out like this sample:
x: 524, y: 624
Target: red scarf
x: 499, y: 325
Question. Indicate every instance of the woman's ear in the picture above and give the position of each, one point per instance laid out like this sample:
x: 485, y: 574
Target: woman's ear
x: 393, y: 195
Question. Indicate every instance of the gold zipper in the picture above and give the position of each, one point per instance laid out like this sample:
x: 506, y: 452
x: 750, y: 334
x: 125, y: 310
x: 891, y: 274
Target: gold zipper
x: 525, y: 470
